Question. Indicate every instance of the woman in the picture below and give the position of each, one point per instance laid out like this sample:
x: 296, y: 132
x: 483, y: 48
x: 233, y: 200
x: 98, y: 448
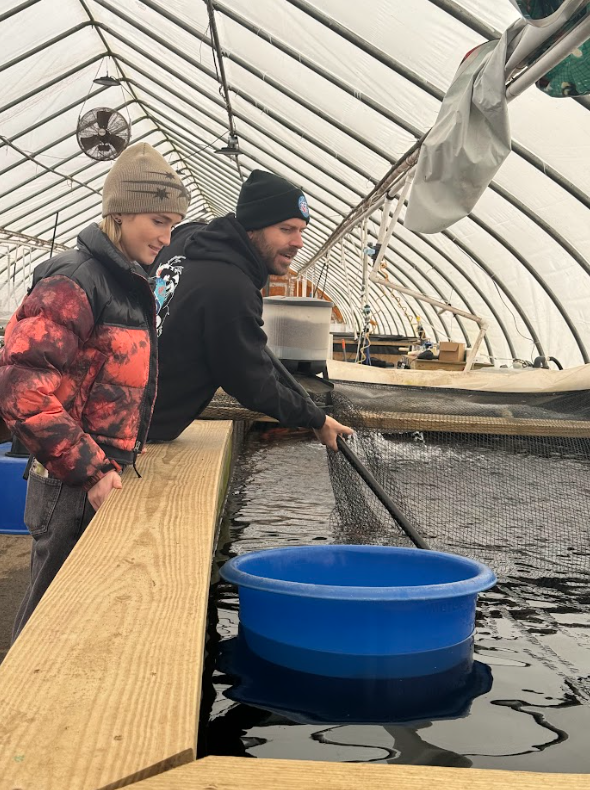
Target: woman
x: 78, y: 370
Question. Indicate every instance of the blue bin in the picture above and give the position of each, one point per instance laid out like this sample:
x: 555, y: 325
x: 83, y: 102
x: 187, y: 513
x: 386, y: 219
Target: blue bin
x: 358, y: 611
x: 13, y: 492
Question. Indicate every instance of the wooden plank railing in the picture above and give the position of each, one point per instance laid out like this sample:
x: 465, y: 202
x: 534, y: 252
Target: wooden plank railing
x: 102, y: 687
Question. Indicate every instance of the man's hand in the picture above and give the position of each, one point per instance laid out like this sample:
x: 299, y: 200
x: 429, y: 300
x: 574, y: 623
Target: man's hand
x: 330, y: 431
x: 100, y: 491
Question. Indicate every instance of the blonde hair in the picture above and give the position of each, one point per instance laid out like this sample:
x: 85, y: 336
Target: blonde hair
x: 112, y: 230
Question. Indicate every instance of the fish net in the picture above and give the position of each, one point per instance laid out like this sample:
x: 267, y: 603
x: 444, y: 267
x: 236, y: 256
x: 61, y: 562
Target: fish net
x: 500, y: 477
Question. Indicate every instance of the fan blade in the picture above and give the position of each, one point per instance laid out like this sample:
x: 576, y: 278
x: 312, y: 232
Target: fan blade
x: 103, y: 117
x: 88, y: 143
x: 118, y: 143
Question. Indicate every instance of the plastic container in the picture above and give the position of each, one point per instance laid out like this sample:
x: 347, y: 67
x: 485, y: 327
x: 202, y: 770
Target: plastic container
x: 358, y: 611
x: 298, y: 330
x: 13, y: 491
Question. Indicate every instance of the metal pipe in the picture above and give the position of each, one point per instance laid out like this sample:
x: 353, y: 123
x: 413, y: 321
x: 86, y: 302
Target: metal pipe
x: 554, y: 55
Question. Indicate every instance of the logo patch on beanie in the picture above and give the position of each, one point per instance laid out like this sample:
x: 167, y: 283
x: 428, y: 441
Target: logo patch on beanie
x: 303, y: 208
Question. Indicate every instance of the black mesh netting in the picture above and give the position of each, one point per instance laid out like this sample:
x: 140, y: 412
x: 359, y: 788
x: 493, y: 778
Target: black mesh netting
x: 516, y: 502
x: 500, y: 477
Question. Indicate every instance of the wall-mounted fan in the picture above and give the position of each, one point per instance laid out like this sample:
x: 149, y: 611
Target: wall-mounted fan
x: 103, y: 133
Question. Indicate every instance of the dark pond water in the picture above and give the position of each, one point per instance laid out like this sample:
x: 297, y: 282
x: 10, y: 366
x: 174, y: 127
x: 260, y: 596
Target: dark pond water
x: 524, y: 703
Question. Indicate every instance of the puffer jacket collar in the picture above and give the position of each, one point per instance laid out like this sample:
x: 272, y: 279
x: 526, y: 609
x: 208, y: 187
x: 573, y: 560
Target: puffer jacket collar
x: 93, y: 242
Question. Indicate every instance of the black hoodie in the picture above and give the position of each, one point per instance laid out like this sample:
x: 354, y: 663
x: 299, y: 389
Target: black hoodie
x: 208, y: 286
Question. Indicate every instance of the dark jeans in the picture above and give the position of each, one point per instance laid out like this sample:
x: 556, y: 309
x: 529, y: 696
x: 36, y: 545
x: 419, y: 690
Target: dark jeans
x: 56, y: 515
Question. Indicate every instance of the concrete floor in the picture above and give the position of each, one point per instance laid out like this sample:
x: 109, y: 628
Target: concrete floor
x: 14, y: 576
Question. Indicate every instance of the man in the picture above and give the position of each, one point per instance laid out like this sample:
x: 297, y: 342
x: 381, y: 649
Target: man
x: 208, y: 289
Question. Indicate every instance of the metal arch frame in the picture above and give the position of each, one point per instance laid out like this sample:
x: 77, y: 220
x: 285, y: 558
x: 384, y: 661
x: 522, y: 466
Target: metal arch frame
x: 243, y: 136
x: 55, y: 81
x: 245, y: 96
x: 17, y: 9
x: 182, y: 114
x: 199, y: 90
x: 174, y: 20
x: 521, y: 259
x: 259, y: 32
x: 46, y: 45
x: 316, y: 111
x: 432, y: 90
x: 309, y: 179
x: 80, y: 67
x: 566, y: 320
x: 450, y: 7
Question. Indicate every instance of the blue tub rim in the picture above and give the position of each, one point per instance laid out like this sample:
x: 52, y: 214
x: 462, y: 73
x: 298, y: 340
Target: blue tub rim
x: 483, y: 578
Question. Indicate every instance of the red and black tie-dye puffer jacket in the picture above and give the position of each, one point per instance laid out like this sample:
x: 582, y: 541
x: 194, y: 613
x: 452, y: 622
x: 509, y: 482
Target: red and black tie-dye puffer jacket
x: 78, y: 369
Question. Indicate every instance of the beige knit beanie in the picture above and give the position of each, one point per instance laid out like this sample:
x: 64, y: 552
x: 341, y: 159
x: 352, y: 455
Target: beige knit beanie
x: 142, y: 182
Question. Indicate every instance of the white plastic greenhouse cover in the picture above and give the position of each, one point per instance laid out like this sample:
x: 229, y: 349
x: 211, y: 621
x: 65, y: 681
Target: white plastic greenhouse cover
x: 328, y: 93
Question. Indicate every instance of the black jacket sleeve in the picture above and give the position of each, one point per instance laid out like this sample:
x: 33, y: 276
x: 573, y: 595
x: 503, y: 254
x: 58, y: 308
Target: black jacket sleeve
x: 237, y: 360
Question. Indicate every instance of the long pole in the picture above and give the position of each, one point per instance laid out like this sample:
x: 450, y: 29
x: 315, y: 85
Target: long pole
x: 356, y: 464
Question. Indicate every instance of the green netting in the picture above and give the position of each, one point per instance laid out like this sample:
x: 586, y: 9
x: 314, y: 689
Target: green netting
x: 538, y: 9
x: 571, y: 77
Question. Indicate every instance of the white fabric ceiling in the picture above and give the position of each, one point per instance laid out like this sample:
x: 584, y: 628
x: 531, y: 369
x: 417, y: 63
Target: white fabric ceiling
x: 329, y: 94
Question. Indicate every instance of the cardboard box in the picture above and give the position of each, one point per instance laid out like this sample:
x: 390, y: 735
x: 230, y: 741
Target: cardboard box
x: 451, y: 352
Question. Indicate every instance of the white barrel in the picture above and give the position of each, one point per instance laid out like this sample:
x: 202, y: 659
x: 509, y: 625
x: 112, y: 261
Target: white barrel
x: 298, y: 327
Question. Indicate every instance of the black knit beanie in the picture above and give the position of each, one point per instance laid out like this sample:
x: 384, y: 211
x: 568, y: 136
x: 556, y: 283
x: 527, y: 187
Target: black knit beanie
x: 266, y: 199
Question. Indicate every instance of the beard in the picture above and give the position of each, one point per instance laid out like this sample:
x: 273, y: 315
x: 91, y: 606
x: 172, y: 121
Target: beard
x: 269, y: 253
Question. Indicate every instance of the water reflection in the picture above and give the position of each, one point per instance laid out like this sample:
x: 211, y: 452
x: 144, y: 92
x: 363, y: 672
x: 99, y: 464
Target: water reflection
x: 309, y: 699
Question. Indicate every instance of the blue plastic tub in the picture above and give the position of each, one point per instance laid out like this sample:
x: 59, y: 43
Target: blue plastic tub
x: 358, y: 611
x: 13, y: 491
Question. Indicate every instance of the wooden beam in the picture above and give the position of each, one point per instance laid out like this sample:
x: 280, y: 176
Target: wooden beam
x: 102, y: 688
x: 239, y: 773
